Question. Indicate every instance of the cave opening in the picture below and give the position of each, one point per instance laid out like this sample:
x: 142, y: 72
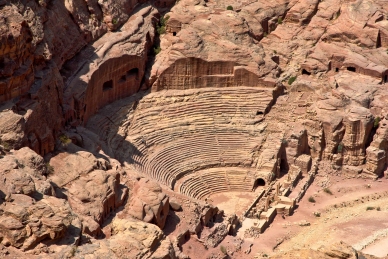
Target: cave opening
x: 259, y: 113
x: 305, y: 72
x: 259, y: 182
x: 107, y: 85
x: 284, y: 167
x: 351, y: 69
x: 378, y: 41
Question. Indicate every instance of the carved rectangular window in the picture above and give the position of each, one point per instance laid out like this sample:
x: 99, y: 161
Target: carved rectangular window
x: 133, y: 72
x: 107, y: 85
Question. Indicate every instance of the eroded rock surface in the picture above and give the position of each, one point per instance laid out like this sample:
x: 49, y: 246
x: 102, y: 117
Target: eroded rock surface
x: 130, y: 239
x: 240, y: 95
x: 148, y: 203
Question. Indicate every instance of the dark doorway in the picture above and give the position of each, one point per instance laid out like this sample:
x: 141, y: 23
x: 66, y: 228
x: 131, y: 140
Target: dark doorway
x: 107, y: 85
x: 259, y: 182
x: 351, y: 69
x: 378, y: 41
x: 305, y: 72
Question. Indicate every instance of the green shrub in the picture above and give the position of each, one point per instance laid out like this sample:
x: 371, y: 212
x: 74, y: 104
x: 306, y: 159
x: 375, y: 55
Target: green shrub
x: 280, y: 20
x: 163, y: 20
x: 5, y: 145
x: 223, y: 250
x: 328, y: 191
x: 64, y: 139
x: 376, y: 122
x: 161, y: 26
x: 73, y: 251
x: 229, y: 8
x: 340, y: 147
x: 291, y: 80
x: 311, y: 199
x: 157, y: 50
x: 160, y: 30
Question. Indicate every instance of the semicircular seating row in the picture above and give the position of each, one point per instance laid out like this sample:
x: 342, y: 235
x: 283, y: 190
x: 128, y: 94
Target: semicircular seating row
x: 177, y: 133
x: 215, y: 180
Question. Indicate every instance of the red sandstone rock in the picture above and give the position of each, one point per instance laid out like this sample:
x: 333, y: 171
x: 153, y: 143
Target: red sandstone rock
x: 92, y: 187
x: 215, y: 49
x: 148, y: 203
x: 110, y: 69
x: 25, y: 222
x: 131, y: 238
x: 95, y: 196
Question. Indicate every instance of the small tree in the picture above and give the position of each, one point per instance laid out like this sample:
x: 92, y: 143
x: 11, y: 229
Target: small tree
x: 340, y: 147
x: 157, y: 49
x: 161, y: 26
x: 223, y: 250
x: 376, y: 122
x: 291, y: 80
x: 328, y: 191
x: 229, y: 8
x: 64, y: 139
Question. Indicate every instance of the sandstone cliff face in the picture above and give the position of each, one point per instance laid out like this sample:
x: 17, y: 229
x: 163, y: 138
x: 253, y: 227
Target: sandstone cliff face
x: 204, y: 48
x: 110, y: 69
x: 37, y: 39
x: 376, y: 153
x: 16, y: 62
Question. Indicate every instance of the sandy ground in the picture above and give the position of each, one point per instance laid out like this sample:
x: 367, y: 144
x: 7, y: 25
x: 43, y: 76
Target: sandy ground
x: 344, y: 216
x: 233, y: 202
